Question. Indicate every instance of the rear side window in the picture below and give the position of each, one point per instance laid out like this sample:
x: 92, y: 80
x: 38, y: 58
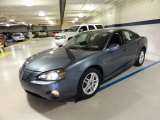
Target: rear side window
x: 99, y: 26
x: 129, y: 36
x: 91, y: 27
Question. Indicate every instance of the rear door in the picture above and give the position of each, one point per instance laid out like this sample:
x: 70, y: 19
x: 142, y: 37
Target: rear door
x: 131, y: 41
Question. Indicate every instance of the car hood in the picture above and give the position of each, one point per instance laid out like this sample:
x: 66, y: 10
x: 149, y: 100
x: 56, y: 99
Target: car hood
x: 55, y: 59
x: 67, y: 33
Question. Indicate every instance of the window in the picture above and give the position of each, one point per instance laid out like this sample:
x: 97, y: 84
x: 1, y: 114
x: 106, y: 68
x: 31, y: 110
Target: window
x: 99, y: 26
x: 91, y: 27
x: 88, y: 41
x: 84, y: 28
x: 116, y: 39
x: 129, y: 36
x: 72, y: 29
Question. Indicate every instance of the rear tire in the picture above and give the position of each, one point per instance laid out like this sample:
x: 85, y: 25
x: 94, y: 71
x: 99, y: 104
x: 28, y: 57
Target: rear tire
x: 89, y: 83
x: 141, y: 58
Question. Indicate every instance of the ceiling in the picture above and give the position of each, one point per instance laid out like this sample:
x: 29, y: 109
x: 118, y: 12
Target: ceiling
x: 18, y: 10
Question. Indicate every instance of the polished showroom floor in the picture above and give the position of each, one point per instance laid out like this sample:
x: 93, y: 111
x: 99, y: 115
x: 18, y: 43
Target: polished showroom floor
x: 135, y: 98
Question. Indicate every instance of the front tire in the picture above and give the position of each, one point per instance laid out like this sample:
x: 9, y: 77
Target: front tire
x: 89, y: 83
x: 141, y: 58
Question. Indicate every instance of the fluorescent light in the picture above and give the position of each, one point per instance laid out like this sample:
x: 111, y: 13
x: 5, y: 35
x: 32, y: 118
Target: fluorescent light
x: 7, y: 25
x: 89, y: 7
x: 11, y: 20
x: 76, y: 19
x: 28, y: 2
x: 51, y: 22
x: 47, y: 18
x: 42, y: 13
x: 81, y: 15
x: 73, y: 21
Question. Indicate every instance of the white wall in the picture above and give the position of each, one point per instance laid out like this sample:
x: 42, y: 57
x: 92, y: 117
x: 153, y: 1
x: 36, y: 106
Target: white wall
x: 134, y: 11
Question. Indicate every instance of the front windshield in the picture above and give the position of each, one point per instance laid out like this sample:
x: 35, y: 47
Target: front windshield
x: 88, y: 41
x: 17, y: 34
x: 72, y: 29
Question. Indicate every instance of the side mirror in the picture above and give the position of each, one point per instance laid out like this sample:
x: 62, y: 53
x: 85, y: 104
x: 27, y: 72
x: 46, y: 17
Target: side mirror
x: 81, y: 30
x: 113, y: 47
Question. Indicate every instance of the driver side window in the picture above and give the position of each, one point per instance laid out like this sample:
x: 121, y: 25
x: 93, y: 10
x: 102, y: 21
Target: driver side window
x: 84, y: 28
x: 116, y: 39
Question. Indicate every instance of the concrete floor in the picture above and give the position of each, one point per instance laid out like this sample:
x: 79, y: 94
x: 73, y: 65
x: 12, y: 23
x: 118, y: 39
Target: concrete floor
x: 136, y: 98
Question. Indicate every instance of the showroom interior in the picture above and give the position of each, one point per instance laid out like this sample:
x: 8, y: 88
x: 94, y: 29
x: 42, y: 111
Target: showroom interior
x: 29, y: 27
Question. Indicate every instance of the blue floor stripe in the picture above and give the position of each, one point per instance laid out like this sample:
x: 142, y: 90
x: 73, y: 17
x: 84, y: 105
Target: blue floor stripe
x: 122, y: 79
x: 127, y: 76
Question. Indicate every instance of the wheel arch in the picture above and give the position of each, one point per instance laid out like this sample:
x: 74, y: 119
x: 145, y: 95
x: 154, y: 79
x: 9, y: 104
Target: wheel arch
x: 144, y: 48
x: 97, y: 67
x: 69, y: 38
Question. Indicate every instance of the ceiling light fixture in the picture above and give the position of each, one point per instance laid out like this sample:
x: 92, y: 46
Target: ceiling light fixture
x: 7, y: 25
x: 89, y: 7
x: 81, y: 15
x: 50, y: 22
x: 47, y: 18
x: 76, y: 19
x: 42, y: 13
x: 28, y: 2
x: 73, y: 21
x: 11, y: 20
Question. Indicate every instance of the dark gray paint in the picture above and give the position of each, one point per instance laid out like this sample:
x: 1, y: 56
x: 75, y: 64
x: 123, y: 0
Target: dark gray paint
x: 75, y: 62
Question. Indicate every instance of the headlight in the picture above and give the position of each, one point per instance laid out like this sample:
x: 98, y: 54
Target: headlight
x: 53, y: 75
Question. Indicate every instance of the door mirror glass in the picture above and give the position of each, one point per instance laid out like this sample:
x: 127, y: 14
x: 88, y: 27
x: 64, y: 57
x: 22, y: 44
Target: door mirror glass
x: 113, y: 47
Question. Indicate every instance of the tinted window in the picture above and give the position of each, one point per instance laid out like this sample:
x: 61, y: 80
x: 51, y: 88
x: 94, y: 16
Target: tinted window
x: 72, y: 29
x: 129, y: 36
x: 88, y: 41
x: 91, y: 27
x: 17, y: 34
x: 84, y: 28
x: 116, y: 39
x: 99, y: 26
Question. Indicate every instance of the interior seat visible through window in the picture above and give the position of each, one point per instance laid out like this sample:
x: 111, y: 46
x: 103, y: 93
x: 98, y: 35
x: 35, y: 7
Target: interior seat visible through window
x: 116, y: 39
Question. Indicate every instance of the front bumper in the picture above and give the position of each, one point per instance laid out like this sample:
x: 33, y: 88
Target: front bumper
x: 19, y: 39
x: 44, y: 90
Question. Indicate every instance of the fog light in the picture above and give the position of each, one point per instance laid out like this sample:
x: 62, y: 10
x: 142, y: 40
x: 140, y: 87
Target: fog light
x: 55, y: 93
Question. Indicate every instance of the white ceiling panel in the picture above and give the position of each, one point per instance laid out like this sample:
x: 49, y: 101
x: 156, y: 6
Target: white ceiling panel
x: 16, y: 9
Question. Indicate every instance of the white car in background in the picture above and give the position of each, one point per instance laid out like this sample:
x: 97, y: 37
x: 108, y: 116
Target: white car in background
x: 63, y: 37
x: 18, y: 37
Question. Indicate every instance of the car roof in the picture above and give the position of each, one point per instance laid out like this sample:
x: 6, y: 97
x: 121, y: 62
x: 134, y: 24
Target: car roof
x: 86, y: 24
x: 107, y: 30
